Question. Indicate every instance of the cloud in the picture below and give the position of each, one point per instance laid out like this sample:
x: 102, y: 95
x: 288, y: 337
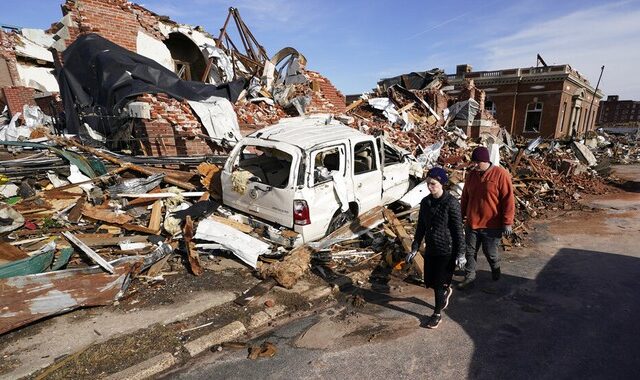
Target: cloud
x: 587, y: 39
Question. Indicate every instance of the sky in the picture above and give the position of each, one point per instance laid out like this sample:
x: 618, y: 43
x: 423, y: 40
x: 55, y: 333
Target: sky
x: 355, y: 43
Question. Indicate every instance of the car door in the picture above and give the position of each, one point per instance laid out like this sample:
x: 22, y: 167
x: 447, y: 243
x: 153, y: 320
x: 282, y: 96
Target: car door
x: 259, y: 178
x: 395, y: 172
x: 327, y: 183
x: 366, y: 174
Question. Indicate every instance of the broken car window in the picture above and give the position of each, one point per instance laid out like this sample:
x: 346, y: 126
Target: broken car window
x: 324, y: 162
x: 268, y: 165
x: 364, y: 159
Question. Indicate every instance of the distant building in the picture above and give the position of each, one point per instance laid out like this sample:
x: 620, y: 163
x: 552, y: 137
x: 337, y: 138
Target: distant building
x: 550, y: 101
x: 618, y: 112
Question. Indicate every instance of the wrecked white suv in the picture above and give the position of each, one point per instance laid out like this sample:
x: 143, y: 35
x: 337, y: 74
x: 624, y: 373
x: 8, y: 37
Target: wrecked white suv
x: 312, y: 174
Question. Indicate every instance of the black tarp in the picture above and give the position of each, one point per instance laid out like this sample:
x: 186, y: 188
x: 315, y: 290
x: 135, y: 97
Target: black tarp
x: 99, y: 77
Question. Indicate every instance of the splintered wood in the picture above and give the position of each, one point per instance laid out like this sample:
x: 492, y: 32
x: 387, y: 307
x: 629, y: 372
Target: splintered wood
x: 405, y: 240
x: 192, y: 253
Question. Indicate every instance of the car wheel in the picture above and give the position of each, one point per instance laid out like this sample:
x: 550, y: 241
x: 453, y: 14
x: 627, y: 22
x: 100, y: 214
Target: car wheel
x: 339, y: 219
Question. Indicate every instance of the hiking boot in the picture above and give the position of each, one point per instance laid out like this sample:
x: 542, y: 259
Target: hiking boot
x: 434, y: 321
x: 447, y: 295
x: 495, y: 273
x: 467, y: 283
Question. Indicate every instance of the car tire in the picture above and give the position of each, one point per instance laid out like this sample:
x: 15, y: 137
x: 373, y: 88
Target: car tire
x: 339, y: 219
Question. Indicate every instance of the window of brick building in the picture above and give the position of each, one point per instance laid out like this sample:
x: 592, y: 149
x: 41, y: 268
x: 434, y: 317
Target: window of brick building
x: 490, y: 106
x: 533, y: 117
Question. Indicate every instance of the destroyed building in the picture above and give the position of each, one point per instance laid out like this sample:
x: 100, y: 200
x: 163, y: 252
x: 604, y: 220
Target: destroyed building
x: 549, y: 101
x: 157, y: 122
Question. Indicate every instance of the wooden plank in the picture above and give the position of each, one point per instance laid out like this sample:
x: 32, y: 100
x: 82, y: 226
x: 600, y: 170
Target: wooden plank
x: 232, y: 223
x: 365, y: 222
x: 353, y: 105
x: 105, y: 215
x: 49, y: 231
x: 76, y: 212
x: 156, y: 268
x: 255, y: 292
x: 106, y: 240
x: 405, y: 239
x: 406, y: 108
x: 155, y: 220
x: 89, y: 252
x: 192, y: 253
x: 26, y: 299
x: 10, y: 253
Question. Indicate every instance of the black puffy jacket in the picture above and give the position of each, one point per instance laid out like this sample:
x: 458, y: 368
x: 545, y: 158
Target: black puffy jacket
x: 440, y: 225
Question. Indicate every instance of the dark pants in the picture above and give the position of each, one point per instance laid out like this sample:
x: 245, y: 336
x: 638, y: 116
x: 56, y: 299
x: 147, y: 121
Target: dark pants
x: 488, y: 239
x: 438, y: 271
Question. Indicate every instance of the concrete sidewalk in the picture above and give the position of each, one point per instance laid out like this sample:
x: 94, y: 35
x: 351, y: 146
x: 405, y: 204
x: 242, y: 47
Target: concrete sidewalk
x: 127, y: 341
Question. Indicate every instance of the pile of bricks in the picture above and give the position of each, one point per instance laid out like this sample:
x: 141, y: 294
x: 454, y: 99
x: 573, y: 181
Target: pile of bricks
x: 173, y: 130
x: 325, y: 96
x: 252, y: 116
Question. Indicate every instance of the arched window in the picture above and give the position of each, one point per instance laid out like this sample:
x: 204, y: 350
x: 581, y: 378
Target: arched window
x: 533, y: 117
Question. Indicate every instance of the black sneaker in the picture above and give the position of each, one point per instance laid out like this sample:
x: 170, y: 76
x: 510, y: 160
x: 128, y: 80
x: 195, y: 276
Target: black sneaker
x: 466, y: 284
x: 495, y: 274
x: 447, y: 295
x: 434, y: 321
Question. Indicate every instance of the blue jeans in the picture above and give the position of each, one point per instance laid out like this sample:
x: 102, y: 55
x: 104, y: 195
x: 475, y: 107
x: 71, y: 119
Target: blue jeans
x: 488, y: 239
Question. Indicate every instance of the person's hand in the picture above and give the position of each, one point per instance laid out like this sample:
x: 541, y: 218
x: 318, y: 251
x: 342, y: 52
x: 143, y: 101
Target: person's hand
x: 461, y: 261
x: 410, y: 256
x: 508, y: 230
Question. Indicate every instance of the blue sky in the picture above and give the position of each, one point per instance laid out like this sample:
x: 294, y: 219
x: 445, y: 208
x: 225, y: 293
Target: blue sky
x: 355, y: 43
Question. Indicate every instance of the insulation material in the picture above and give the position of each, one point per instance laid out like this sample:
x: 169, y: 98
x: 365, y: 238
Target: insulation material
x: 239, y: 180
x: 245, y: 247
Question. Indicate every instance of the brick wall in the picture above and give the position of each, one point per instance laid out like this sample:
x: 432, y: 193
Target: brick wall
x: 17, y: 96
x: 115, y: 20
x: 7, y: 54
x: 327, y: 99
x: 173, y: 129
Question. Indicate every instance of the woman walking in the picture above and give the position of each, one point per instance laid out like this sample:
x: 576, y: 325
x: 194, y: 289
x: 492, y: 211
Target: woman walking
x: 440, y: 226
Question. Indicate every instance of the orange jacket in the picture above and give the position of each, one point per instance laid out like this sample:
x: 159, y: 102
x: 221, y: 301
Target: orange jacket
x: 487, y: 199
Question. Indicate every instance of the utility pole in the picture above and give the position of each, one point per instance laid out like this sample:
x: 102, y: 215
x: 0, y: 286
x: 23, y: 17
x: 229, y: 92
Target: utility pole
x: 593, y: 97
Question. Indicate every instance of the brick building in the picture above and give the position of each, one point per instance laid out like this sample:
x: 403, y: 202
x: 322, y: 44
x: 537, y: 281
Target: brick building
x: 614, y: 111
x: 549, y: 101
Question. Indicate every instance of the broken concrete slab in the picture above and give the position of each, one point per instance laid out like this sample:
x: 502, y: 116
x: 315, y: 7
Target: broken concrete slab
x: 584, y: 154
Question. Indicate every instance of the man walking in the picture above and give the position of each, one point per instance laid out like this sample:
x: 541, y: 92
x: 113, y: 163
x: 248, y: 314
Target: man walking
x: 488, y: 204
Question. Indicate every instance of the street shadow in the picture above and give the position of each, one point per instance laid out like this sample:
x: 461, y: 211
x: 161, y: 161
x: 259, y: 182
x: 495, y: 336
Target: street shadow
x: 576, y: 319
x: 628, y: 186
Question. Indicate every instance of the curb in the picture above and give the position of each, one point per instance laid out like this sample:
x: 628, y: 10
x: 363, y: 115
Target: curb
x: 147, y: 368
x: 160, y: 363
x: 223, y: 334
